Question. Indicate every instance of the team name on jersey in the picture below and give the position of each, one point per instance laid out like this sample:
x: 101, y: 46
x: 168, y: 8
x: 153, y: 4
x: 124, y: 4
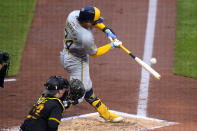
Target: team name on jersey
x: 73, y: 32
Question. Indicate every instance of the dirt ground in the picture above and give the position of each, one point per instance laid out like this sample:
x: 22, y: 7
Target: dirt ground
x: 115, y: 76
x: 91, y: 123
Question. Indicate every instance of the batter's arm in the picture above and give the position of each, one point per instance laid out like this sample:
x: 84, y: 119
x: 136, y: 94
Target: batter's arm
x: 100, y: 26
x: 102, y: 50
x: 108, y: 31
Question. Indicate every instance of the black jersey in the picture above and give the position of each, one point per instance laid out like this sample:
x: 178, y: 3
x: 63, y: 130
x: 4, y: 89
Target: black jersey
x: 45, y: 115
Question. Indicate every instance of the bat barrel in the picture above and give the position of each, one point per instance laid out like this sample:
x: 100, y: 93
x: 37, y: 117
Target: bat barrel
x: 148, y: 68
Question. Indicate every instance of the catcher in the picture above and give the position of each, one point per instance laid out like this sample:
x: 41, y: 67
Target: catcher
x: 79, y: 45
x: 4, y: 66
x: 47, y: 112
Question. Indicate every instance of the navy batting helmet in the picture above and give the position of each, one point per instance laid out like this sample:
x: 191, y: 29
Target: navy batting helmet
x: 90, y: 14
x: 55, y: 83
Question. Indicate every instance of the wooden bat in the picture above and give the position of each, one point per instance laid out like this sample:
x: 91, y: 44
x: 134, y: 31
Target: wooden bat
x: 142, y: 63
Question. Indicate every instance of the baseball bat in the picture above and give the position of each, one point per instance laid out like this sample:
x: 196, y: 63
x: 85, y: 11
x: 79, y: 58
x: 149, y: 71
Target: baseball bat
x: 142, y: 63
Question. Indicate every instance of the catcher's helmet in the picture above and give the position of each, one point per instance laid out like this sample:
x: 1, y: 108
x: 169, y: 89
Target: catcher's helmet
x: 77, y: 90
x: 90, y: 14
x: 55, y: 83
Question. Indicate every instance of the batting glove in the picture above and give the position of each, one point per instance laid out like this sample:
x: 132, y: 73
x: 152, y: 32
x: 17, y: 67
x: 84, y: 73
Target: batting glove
x: 116, y: 43
x: 109, y: 33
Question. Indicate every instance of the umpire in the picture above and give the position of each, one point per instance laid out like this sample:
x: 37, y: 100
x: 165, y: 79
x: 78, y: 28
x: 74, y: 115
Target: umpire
x: 4, y: 66
x: 47, y: 112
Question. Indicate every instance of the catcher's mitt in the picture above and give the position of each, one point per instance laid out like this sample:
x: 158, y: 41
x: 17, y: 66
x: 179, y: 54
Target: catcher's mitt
x: 4, y: 66
x: 77, y: 90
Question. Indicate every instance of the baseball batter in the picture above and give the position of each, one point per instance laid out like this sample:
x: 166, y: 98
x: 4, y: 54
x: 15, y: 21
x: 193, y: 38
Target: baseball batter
x: 79, y: 45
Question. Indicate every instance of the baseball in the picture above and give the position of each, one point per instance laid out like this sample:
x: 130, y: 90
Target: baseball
x: 153, y: 60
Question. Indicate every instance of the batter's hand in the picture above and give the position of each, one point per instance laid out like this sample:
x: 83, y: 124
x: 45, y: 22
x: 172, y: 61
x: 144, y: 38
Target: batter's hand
x: 116, y: 43
x: 110, y: 34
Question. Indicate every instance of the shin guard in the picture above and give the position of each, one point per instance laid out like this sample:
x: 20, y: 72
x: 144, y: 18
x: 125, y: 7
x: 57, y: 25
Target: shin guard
x: 102, y: 109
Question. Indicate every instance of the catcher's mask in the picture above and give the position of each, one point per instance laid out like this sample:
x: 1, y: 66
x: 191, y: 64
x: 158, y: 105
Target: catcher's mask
x: 55, y: 83
x: 77, y: 90
x: 90, y: 14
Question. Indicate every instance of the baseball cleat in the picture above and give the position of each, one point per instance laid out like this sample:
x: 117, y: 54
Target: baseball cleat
x: 101, y: 119
x: 114, y: 118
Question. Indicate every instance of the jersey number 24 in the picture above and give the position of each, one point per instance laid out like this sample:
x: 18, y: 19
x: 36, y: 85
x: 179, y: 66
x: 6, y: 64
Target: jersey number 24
x: 68, y: 43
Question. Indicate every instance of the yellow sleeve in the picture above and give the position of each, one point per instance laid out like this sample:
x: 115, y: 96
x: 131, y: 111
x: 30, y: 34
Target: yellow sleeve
x: 100, y: 26
x: 102, y: 50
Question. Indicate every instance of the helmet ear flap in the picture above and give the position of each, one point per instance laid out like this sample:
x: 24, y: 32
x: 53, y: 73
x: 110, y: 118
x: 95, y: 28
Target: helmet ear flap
x: 97, y: 14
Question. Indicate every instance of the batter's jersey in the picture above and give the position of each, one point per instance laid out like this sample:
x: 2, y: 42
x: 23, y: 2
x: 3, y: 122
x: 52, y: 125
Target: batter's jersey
x: 78, y: 40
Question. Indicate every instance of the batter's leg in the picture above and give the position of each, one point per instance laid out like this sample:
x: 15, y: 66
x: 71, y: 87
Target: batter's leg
x: 106, y: 115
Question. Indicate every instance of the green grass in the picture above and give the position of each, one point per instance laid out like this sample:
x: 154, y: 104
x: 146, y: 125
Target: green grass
x: 185, y: 63
x: 15, y: 21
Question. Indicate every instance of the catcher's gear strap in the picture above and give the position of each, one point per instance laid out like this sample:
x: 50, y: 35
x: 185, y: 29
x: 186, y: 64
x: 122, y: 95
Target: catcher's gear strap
x: 44, y: 98
x: 102, y: 109
x: 102, y: 50
x: 54, y: 119
x: 53, y: 124
x: 31, y: 116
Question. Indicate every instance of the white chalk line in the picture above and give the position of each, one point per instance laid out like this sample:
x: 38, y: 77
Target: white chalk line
x: 9, y: 80
x: 148, y: 49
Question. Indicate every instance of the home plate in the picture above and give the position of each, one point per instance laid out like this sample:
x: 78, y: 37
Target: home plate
x: 89, y: 122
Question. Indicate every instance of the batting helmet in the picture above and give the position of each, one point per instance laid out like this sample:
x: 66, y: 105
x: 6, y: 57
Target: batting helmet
x: 55, y: 83
x: 90, y: 14
x: 77, y: 90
